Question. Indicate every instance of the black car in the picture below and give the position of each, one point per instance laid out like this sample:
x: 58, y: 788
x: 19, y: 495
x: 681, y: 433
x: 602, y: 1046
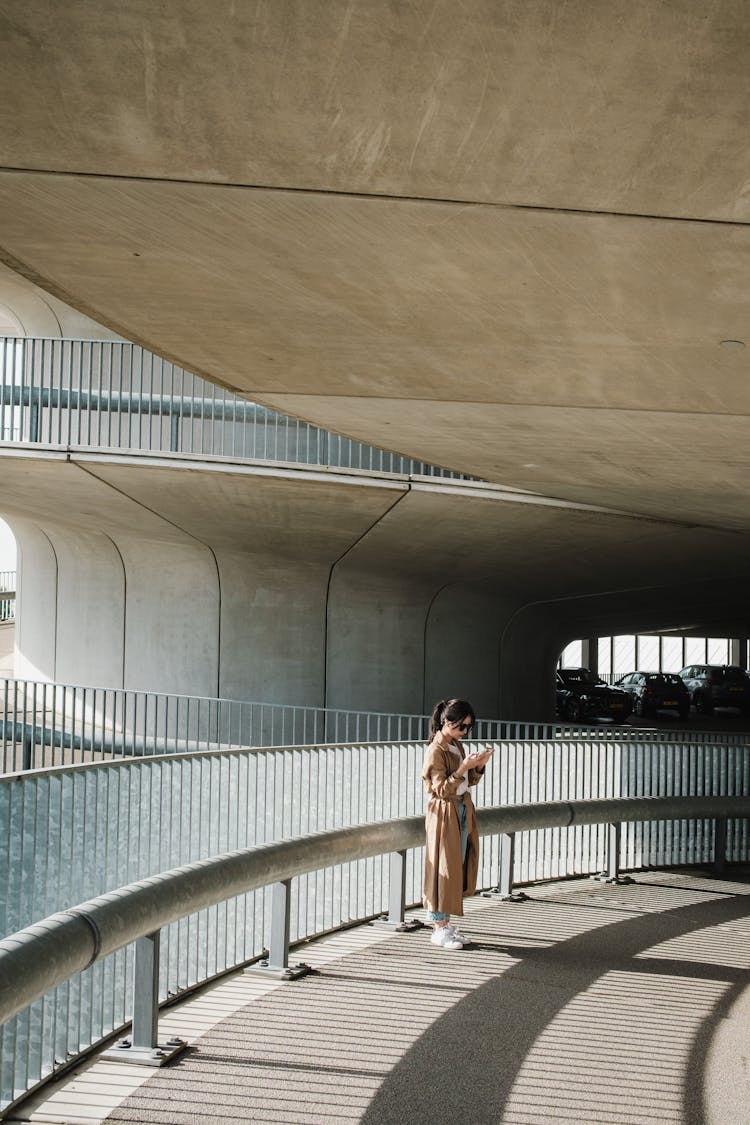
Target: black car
x: 717, y: 685
x: 582, y: 695
x: 656, y: 691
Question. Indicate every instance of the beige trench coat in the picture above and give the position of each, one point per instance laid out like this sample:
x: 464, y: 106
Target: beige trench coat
x: 446, y: 878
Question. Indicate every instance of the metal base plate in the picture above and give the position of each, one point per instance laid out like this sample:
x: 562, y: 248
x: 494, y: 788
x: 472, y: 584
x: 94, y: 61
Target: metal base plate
x: 125, y: 1052
x: 288, y: 972
x: 513, y: 896
x: 397, y: 927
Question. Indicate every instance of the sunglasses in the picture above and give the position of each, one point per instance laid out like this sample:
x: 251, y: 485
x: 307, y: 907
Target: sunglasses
x: 462, y: 726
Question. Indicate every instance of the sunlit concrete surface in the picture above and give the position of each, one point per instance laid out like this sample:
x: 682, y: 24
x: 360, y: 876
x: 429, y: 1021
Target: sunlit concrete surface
x: 7, y: 633
x: 588, y: 1003
x: 507, y: 237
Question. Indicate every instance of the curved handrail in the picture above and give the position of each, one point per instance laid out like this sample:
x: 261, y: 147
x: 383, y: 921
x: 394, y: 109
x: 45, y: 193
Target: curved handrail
x: 107, y: 393
x: 51, y: 951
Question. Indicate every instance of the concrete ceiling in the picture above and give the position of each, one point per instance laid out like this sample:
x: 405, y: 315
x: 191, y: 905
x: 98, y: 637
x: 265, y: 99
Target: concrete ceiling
x: 510, y: 238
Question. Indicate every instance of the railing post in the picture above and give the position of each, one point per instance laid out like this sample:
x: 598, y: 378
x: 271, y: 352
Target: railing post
x: 613, y: 852
x: 504, y: 889
x: 397, y: 897
x: 35, y: 419
x: 174, y: 432
x: 27, y: 749
x: 720, y: 844
x: 146, y: 993
x: 397, y: 887
x: 612, y: 872
x: 142, y: 1046
x: 276, y: 964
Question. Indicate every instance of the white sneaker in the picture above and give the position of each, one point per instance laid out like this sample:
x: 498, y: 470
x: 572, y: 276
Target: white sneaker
x: 457, y: 934
x: 445, y: 937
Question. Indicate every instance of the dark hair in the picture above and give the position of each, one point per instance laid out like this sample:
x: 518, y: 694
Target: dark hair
x: 454, y: 710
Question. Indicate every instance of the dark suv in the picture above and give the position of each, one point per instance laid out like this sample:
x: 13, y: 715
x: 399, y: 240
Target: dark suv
x: 656, y: 691
x: 582, y: 695
x: 717, y: 685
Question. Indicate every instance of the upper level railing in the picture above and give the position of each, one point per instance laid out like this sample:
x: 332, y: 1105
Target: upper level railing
x: 110, y: 394
x: 48, y: 724
x: 7, y: 595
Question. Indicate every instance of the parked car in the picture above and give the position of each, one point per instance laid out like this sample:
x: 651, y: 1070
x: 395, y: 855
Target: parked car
x: 582, y: 695
x: 656, y: 691
x: 717, y: 685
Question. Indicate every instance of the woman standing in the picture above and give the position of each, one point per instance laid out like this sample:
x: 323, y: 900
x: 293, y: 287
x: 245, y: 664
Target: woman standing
x: 452, y: 853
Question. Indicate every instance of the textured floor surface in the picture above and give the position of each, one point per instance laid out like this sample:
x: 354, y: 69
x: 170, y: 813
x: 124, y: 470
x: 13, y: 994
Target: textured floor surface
x: 587, y: 1003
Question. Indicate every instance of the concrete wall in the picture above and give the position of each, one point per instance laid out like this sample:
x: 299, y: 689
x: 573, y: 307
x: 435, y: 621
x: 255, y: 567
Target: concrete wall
x: 90, y: 606
x: 7, y: 636
x: 36, y: 602
x: 273, y: 612
x: 121, y: 609
x: 376, y: 641
x: 327, y: 588
x: 462, y: 647
x: 118, y: 610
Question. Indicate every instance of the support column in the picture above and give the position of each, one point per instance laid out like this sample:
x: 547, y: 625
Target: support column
x: 720, y: 844
x: 590, y: 654
x: 276, y: 964
x: 612, y: 872
x: 504, y: 888
x: 397, y: 897
x: 142, y: 1046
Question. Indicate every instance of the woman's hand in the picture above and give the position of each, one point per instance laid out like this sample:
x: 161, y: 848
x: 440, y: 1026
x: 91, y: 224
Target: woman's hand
x: 477, y: 758
x: 473, y: 761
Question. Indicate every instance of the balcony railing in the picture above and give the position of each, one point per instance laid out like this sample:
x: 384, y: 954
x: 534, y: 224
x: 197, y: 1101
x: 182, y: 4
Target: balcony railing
x: 66, y: 979
x: 109, y: 394
x: 7, y: 595
x: 47, y: 724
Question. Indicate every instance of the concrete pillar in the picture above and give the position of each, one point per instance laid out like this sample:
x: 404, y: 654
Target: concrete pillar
x: 90, y: 608
x: 36, y: 603
x: 464, y: 661
x: 592, y: 656
x: 376, y: 637
x: 171, y: 616
x: 738, y: 651
x: 273, y: 622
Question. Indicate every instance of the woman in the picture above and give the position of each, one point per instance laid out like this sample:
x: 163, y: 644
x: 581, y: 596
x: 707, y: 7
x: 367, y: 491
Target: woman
x: 452, y: 853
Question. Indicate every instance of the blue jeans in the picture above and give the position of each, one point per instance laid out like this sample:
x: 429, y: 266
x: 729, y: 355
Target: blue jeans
x: 438, y: 915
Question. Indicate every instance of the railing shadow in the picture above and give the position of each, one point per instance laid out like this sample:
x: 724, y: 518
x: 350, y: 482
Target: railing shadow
x: 470, y: 1062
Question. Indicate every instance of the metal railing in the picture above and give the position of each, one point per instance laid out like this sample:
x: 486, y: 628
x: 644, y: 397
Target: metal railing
x: 49, y: 724
x: 111, y: 394
x: 7, y: 595
x: 38, y: 965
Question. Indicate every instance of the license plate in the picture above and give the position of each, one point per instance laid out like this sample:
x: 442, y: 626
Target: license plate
x: 670, y: 702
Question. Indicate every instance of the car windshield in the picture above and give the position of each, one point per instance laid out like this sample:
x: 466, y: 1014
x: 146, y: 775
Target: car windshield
x: 663, y: 678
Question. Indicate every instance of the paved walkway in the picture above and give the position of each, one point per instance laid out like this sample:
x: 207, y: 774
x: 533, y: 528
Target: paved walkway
x: 587, y: 1003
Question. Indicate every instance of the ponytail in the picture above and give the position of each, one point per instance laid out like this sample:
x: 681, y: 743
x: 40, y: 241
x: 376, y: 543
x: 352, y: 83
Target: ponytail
x: 436, y: 722
x: 454, y: 710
